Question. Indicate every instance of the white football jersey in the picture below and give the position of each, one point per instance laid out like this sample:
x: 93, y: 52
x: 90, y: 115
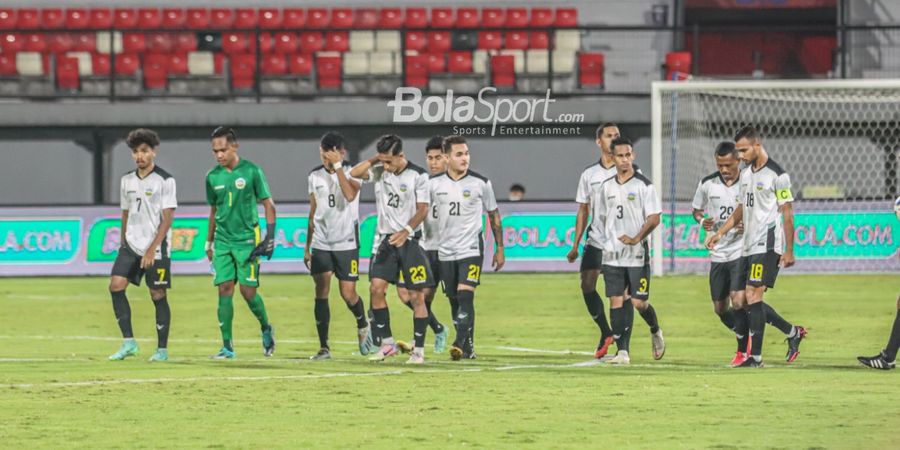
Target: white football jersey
x: 624, y: 208
x: 145, y: 199
x: 336, y: 220
x: 461, y: 205
x: 718, y: 200
x: 431, y: 236
x: 762, y: 193
x: 588, y: 185
x: 396, y: 196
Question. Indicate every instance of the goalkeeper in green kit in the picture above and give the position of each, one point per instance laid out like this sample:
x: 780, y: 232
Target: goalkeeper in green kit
x: 233, y: 190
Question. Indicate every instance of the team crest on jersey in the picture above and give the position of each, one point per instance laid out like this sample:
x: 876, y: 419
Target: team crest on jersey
x: 759, y: 186
x: 631, y: 196
x: 403, y: 187
x: 240, y: 183
x: 148, y: 193
x: 467, y: 193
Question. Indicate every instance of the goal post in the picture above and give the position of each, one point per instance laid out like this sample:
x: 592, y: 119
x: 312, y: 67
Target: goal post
x: 838, y: 140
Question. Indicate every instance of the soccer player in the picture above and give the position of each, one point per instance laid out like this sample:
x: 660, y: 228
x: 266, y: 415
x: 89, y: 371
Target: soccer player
x: 401, y: 199
x: 592, y: 260
x: 887, y: 359
x: 765, y: 194
x: 147, y: 198
x: 629, y: 209
x: 437, y: 163
x: 715, y: 200
x: 233, y: 190
x: 332, y: 240
x: 461, y: 198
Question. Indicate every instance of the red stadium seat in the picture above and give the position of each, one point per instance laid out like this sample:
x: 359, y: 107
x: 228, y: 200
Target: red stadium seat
x: 516, y: 40
x: 265, y: 45
x: 541, y: 17
x: 269, y: 18
x: 459, y: 62
x: 59, y: 42
x: 590, y: 69
x: 390, y: 18
x: 149, y: 18
x: 299, y: 64
x: 539, y: 40
x: 442, y: 18
x: 416, y: 40
x: 35, y: 42
x: 185, y: 42
x: 178, y: 64
x: 503, y: 71
x: 100, y: 19
x: 493, y: 17
x: 337, y: 41
x: 467, y: 18
x: 311, y: 42
x: 439, y: 41
x: 12, y: 43
x: 160, y: 43
x: 235, y: 42
x: 294, y: 18
x: 100, y: 64
x: 286, y: 43
x: 245, y: 19
x: 28, y: 19
x: 84, y: 42
x: 317, y: 18
x: 52, y: 19
x: 243, y: 71
x: 341, y: 18
x: 67, y: 74
x: 221, y: 18
x: 328, y: 71
x: 416, y: 18
x: 127, y: 64
x: 490, y: 40
x: 8, y: 64
x: 366, y: 18
x: 173, y: 18
x: 77, y: 19
x: 566, y: 17
x: 437, y: 62
x: 156, y: 71
x: 516, y: 17
x: 134, y: 43
x: 7, y: 19
x: 124, y: 18
x: 197, y: 19
x: 678, y: 65
x: 273, y: 64
x: 416, y: 71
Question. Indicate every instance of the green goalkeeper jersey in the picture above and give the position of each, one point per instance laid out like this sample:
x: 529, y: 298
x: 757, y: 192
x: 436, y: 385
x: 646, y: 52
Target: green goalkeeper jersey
x: 235, y: 194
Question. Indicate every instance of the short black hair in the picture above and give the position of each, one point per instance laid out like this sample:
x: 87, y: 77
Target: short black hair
x: 450, y: 140
x: 332, y: 140
x: 142, y: 136
x: 226, y: 132
x: 390, y: 144
x: 599, y: 131
x: 435, y: 143
x: 726, y: 148
x: 517, y: 187
x: 749, y: 132
x: 621, y: 140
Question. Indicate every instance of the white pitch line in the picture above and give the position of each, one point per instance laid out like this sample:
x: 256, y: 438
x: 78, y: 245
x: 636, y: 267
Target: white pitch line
x: 22, y: 360
x: 538, y: 350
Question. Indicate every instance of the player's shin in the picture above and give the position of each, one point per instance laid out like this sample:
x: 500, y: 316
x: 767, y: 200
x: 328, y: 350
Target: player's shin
x: 123, y: 313
x: 226, y: 316
x: 595, y: 308
x: 757, y: 329
x: 323, y: 318
x: 163, y: 319
x: 894, y: 341
x: 259, y: 310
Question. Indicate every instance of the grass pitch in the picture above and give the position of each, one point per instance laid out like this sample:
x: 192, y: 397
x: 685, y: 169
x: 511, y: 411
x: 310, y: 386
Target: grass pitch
x: 528, y: 387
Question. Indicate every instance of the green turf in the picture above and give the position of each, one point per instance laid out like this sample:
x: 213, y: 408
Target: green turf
x: 58, y: 390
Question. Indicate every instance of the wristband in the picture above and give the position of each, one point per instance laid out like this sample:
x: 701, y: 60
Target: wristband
x: 409, y: 229
x: 337, y: 165
x: 209, y: 245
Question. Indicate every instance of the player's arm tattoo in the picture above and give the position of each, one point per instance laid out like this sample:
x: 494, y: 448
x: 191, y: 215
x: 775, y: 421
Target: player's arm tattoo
x: 496, y: 226
x: 349, y: 188
x: 419, y: 216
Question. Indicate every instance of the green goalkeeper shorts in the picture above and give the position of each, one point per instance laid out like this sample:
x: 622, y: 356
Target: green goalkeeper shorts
x: 230, y: 263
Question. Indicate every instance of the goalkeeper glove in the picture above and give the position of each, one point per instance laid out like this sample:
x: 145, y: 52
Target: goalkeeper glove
x: 267, y: 246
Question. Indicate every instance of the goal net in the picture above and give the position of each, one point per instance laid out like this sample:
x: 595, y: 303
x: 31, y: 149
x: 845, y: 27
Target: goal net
x: 838, y: 140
